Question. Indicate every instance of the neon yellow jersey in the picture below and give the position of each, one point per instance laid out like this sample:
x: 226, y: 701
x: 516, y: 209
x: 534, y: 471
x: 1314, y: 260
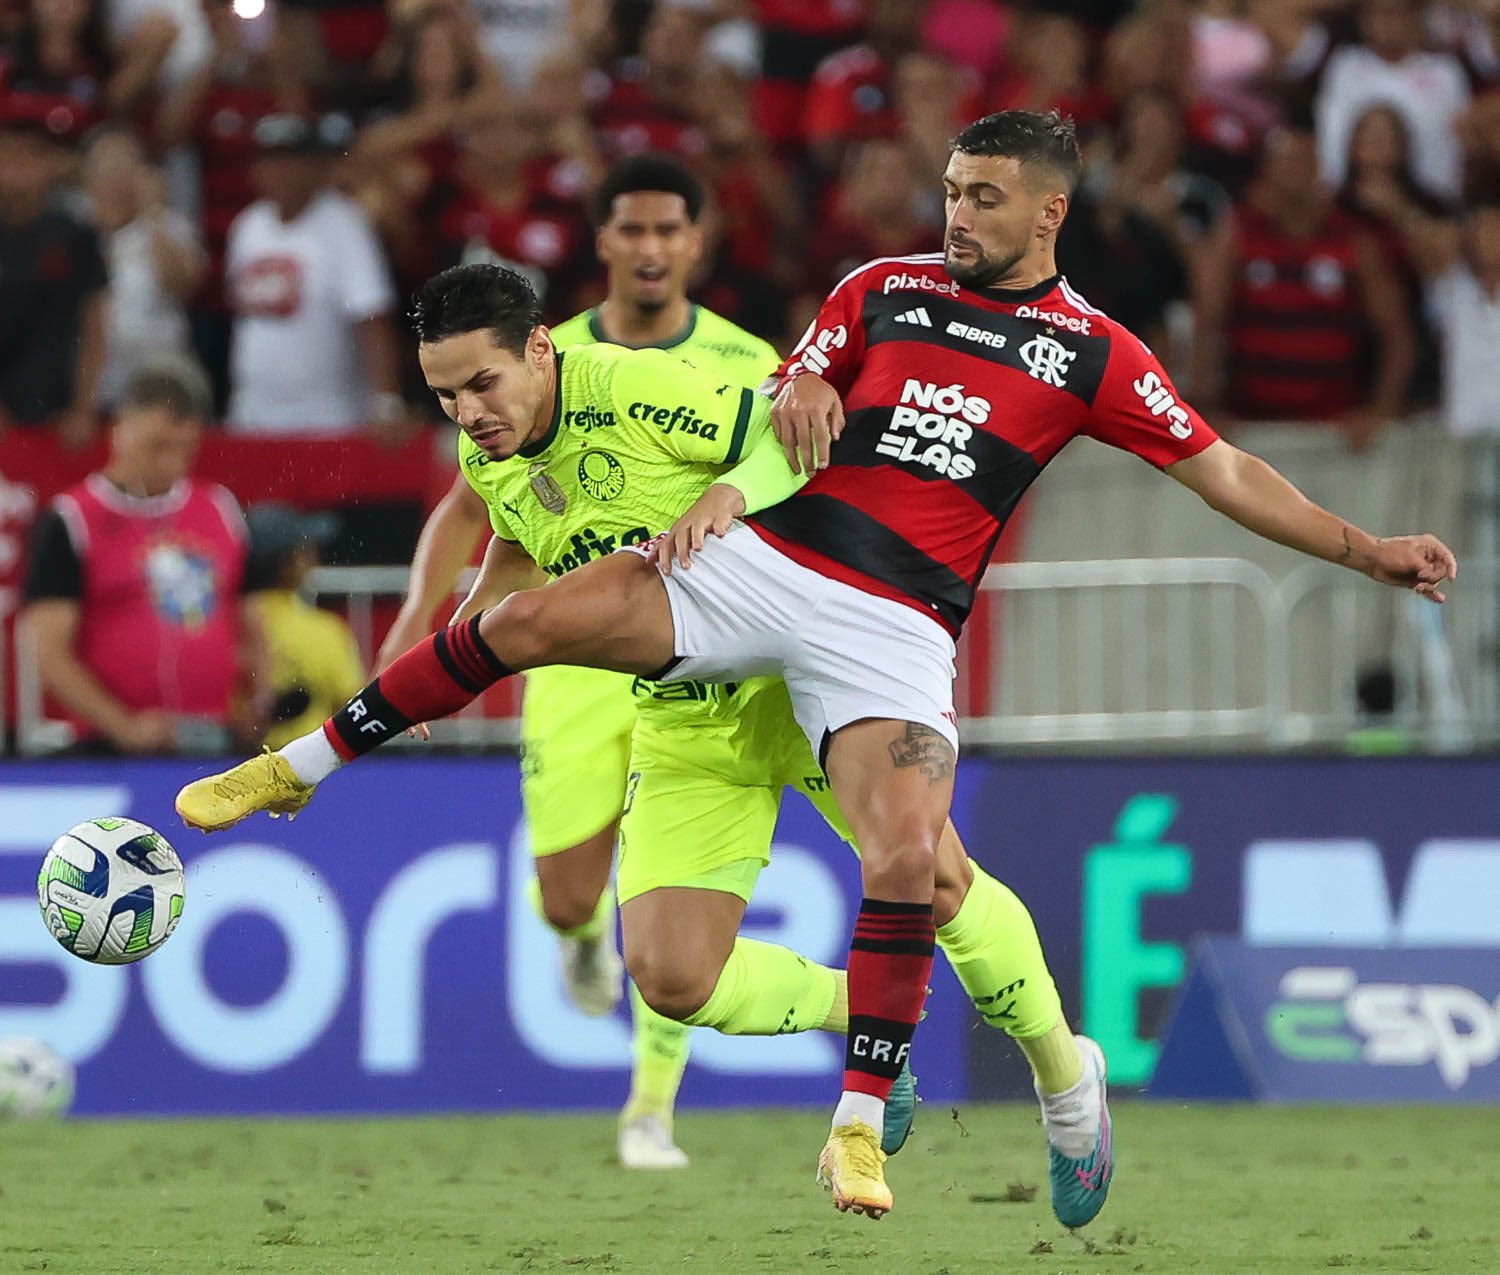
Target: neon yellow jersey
x: 709, y: 341
x: 636, y: 436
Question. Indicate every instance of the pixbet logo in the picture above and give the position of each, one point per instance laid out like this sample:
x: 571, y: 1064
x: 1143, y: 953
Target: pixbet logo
x: 1068, y: 322
x: 814, y: 356
x: 1156, y: 396
x: 932, y: 427
x: 1328, y: 1016
x: 904, y: 282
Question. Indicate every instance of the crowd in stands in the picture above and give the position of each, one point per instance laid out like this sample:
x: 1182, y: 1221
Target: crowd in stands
x: 1295, y: 202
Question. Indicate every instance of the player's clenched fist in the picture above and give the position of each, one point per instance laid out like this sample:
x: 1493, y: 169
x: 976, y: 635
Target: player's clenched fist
x: 1422, y: 563
x: 807, y: 417
x: 714, y: 511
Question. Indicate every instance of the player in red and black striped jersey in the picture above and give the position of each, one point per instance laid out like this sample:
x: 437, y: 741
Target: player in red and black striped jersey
x: 853, y: 589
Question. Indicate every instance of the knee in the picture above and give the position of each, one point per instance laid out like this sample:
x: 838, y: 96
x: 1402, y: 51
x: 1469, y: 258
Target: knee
x: 520, y: 629
x: 672, y: 987
x: 953, y: 880
x: 567, y: 912
x: 901, y: 863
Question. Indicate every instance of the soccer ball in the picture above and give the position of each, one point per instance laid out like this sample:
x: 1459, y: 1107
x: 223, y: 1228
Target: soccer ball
x: 111, y: 890
x: 34, y: 1081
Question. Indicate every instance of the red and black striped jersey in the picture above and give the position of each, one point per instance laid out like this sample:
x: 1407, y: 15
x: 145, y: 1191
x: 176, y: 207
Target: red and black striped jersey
x: 954, y: 400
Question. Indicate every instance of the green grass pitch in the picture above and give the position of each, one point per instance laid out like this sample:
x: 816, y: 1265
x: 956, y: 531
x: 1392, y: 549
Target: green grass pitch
x: 1226, y: 1189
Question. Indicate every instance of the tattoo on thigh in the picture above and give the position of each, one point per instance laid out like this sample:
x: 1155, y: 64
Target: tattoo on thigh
x: 922, y: 746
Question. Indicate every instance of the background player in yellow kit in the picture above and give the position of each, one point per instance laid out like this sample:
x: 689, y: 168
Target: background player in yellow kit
x: 575, y: 722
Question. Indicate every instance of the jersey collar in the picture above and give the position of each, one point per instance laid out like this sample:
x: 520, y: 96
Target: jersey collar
x: 545, y: 441
x: 596, y: 330
x: 1019, y: 296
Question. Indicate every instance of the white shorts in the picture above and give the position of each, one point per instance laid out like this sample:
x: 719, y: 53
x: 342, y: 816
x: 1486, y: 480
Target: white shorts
x: 745, y: 609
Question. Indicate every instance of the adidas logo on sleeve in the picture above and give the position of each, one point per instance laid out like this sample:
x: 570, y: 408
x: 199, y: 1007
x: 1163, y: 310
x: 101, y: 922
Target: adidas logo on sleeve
x: 918, y: 316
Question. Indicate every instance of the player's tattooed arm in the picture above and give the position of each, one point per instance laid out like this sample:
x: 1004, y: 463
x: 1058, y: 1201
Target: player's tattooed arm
x: 924, y: 747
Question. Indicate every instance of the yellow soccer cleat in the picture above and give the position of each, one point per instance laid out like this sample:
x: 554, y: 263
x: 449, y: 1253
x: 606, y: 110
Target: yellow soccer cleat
x: 264, y: 783
x: 852, y: 1166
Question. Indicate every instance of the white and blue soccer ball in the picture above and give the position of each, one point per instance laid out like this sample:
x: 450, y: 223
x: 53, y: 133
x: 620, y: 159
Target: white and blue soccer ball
x: 111, y: 890
x: 34, y: 1080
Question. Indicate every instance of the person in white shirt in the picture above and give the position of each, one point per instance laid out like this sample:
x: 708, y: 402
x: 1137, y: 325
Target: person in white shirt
x: 1460, y: 261
x: 313, y: 349
x: 1391, y: 67
x: 155, y: 261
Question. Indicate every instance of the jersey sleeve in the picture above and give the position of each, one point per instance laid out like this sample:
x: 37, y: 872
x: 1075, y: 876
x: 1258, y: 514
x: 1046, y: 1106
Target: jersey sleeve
x: 683, y: 410
x: 834, y: 344
x: 1139, y: 410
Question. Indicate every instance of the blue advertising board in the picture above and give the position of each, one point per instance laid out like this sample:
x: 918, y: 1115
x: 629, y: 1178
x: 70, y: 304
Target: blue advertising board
x: 380, y: 953
x: 1333, y: 1024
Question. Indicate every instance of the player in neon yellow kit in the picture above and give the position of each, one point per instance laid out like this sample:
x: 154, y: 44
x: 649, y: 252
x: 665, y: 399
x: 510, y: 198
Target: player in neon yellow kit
x: 578, y: 453
x: 576, y: 722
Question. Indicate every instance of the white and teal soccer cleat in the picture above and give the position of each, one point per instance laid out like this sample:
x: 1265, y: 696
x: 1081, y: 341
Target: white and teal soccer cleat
x: 1080, y: 1141
x: 900, y: 1111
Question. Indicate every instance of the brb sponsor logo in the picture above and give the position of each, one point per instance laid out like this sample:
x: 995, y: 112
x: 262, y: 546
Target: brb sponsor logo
x: 1158, y: 398
x: 980, y: 336
x: 904, y: 282
x: 1327, y: 1015
x: 588, y: 544
x: 932, y: 427
x: 681, y: 418
x: 817, y: 351
x: 1067, y: 322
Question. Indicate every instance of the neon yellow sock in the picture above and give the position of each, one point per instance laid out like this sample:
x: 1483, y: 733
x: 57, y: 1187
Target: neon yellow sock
x: 590, y: 929
x: 766, y: 990
x: 661, y: 1053
x: 1054, y: 1057
x: 837, y: 1018
x: 993, y: 947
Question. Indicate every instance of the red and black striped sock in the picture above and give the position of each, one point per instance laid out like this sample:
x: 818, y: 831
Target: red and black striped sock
x: 890, y: 961
x: 436, y: 677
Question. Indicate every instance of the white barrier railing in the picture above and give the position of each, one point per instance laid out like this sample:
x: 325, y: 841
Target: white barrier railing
x: 1187, y: 652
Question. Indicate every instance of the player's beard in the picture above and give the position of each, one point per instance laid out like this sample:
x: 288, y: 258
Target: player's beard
x: 983, y: 271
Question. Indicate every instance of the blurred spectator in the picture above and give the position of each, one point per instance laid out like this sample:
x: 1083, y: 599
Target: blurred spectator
x: 1293, y: 296
x: 1430, y: 89
x: 796, y: 36
x: 215, y: 111
x: 441, y: 82
x: 155, y: 261
x: 1380, y: 191
x: 62, y: 52
x: 53, y: 282
x: 873, y: 212
x: 133, y: 588
x: 653, y: 99
x: 969, y: 33
x: 934, y: 100
x: 1461, y: 261
x: 852, y: 98
x: 314, y: 663
x: 506, y: 209
x: 517, y: 35
x: 1464, y: 264
x: 1047, y: 68
x: 313, y: 350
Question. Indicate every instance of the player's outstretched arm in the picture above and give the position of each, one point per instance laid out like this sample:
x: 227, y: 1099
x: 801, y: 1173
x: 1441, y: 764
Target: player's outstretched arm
x: 1256, y: 496
x: 448, y: 540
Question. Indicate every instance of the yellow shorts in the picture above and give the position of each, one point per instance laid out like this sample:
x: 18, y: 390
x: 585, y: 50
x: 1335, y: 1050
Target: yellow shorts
x: 703, y: 792
x: 575, y: 753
